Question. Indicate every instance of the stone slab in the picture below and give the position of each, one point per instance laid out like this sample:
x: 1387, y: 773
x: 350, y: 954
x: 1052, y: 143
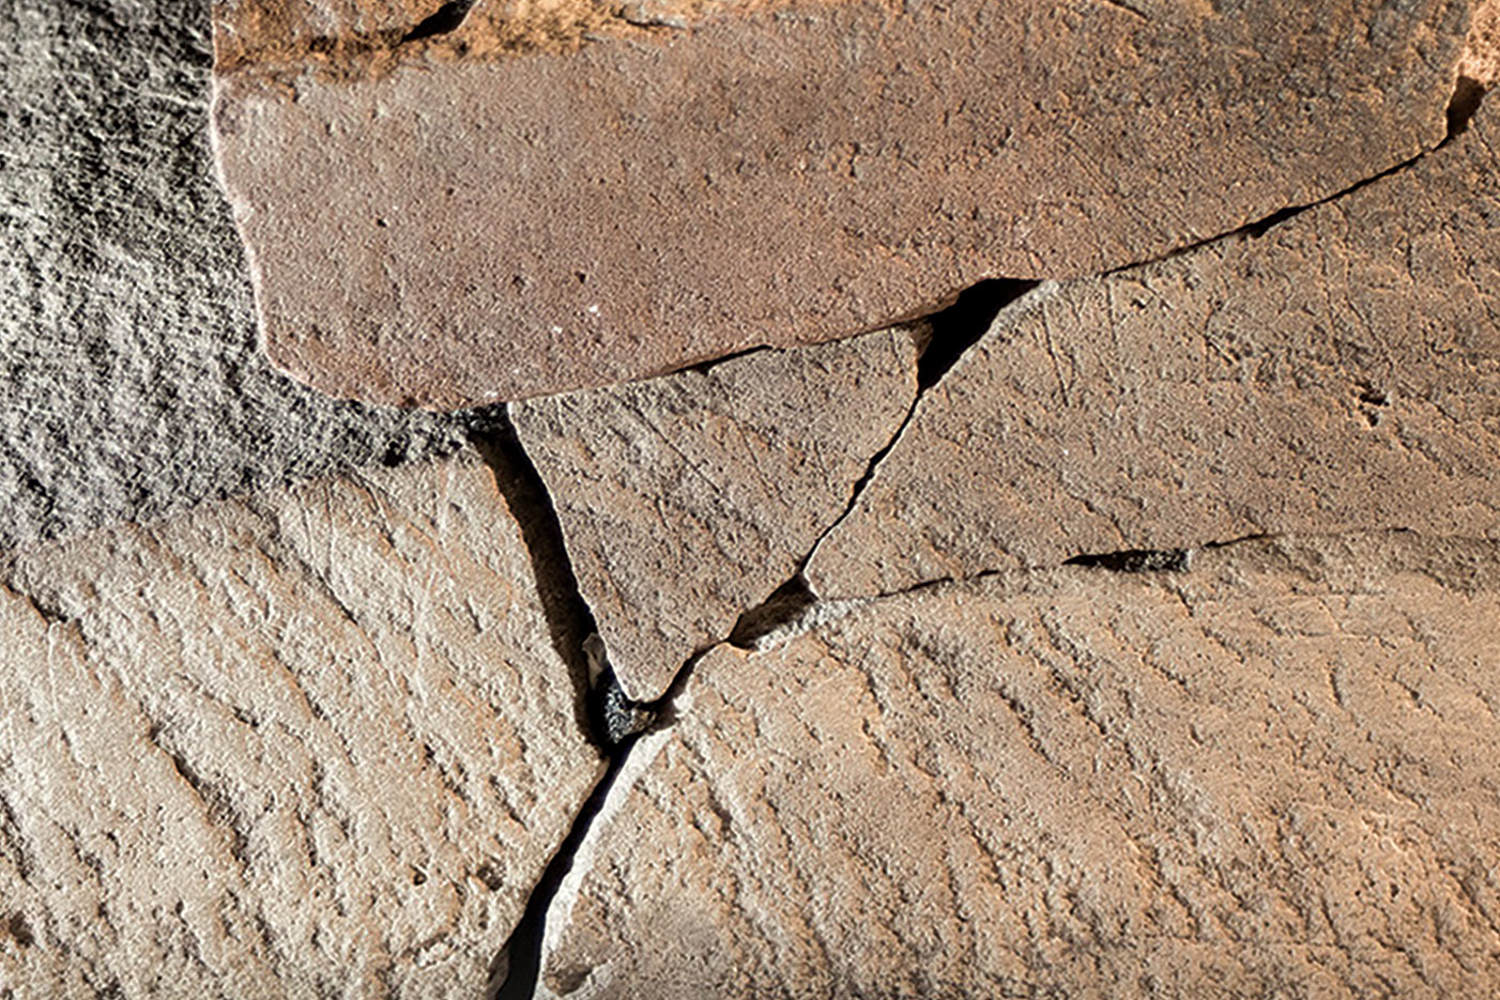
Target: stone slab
x: 1339, y: 372
x: 685, y: 501
x: 1278, y: 775
x: 471, y: 217
x: 131, y: 383
x: 314, y: 743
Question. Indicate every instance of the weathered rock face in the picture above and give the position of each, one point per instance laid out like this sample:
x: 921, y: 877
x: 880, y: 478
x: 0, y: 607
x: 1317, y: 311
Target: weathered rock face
x: 687, y: 500
x: 1277, y: 774
x: 317, y: 744
x: 130, y: 381
x: 1481, y: 58
x: 1340, y: 372
x: 467, y: 216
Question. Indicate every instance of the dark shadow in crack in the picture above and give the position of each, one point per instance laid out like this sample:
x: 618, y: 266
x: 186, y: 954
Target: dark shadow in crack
x: 786, y: 604
x: 516, y: 970
x: 960, y: 326
x: 514, y: 973
x: 569, y: 620
x: 1137, y: 561
x: 446, y: 18
x: 1468, y: 93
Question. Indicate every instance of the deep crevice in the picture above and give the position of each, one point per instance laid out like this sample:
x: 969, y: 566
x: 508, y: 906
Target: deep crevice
x: 569, y: 620
x: 445, y: 19
x: 1468, y: 93
x: 960, y: 326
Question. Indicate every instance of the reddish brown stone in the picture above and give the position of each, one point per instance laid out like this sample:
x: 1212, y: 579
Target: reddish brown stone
x: 464, y: 219
x: 1341, y: 371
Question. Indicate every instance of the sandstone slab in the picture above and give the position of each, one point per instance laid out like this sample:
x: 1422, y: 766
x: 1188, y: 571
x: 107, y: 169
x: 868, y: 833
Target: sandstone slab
x: 551, y: 196
x: 686, y: 500
x: 312, y: 744
x: 1340, y: 371
x: 130, y: 379
x: 1278, y: 775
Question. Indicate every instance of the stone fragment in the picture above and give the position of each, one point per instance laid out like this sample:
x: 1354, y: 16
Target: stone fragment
x: 1276, y: 776
x: 1339, y: 372
x: 130, y: 380
x: 687, y: 500
x: 315, y: 743
x: 550, y: 196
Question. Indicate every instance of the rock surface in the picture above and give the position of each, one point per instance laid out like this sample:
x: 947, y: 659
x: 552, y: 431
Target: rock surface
x: 1277, y: 775
x: 130, y: 380
x: 312, y: 744
x: 687, y: 500
x: 462, y: 219
x: 1339, y: 372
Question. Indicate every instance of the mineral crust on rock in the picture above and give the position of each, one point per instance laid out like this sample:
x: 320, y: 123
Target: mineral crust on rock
x: 686, y: 500
x: 1278, y: 775
x: 316, y: 743
x: 524, y: 199
x: 1339, y: 372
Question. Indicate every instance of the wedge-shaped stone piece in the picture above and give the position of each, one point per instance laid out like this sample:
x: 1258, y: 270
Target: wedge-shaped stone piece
x: 687, y: 500
x: 1341, y: 371
x: 312, y: 744
x: 1277, y: 775
x: 547, y: 198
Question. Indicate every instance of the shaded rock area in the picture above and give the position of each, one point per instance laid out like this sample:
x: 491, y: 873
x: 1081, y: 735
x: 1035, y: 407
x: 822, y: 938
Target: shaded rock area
x: 484, y: 221
x: 1340, y: 371
x: 1276, y: 775
x: 687, y: 500
x: 1123, y: 624
x: 313, y: 744
x: 130, y: 382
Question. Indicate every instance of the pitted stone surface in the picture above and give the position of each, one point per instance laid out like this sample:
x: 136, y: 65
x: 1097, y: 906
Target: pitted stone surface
x: 130, y: 380
x: 686, y: 500
x: 1340, y: 372
x: 482, y: 222
x: 315, y: 743
x: 1276, y: 775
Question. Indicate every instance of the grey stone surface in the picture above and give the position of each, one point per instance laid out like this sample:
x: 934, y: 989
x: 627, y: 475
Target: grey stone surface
x: 130, y: 383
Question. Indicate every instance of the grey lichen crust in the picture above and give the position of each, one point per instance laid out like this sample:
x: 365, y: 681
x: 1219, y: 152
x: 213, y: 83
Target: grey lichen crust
x: 130, y: 383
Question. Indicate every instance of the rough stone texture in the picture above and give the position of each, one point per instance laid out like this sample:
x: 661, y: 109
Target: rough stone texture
x: 1340, y: 372
x: 130, y: 382
x: 1276, y: 776
x: 312, y: 744
x: 518, y: 221
x: 1481, y: 58
x: 687, y: 500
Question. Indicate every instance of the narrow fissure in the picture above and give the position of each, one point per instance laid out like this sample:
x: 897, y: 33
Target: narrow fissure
x: 952, y: 331
x: 609, y: 719
x: 1137, y: 561
x: 517, y: 968
x: 516, y: 971
x: 786, y: 604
